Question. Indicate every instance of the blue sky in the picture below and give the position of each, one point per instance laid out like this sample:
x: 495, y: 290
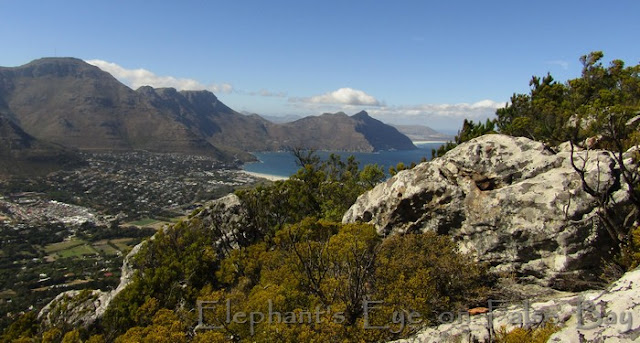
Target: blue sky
x: 412, y: 62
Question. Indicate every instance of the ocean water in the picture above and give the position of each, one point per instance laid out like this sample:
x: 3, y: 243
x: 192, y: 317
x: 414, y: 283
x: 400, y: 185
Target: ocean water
x: 283, y: 163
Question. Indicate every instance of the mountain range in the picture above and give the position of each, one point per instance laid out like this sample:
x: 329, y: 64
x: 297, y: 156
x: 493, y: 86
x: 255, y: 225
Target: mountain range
x: 70, y: 103
x: 422, y: 133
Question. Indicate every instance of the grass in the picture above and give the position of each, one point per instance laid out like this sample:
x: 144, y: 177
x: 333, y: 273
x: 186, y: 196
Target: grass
x: 79, y: 282
x: 122, y: 243
x: 77, y: 248
x: 74, y: 247
x: 77, y: 251
x: 64, y: 245
x: 7, y: 293
x: 143, y: 222
x: 105, y: 247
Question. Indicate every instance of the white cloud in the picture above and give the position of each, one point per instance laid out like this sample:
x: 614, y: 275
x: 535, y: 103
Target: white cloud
x: 268, y: 93
x: 480, y: 109
x: 136, y: 78
x: 439, y: 116
x: 563, y: 64
x: 342, y: 96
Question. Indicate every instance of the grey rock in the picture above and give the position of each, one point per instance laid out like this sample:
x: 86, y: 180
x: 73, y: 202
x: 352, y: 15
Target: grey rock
x: 510, y: 201
x: 225, y: 218
x: 83, y: 308
x: 611, y: 315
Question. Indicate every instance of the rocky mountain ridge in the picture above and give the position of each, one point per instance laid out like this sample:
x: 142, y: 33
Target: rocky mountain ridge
x: 69, y: 102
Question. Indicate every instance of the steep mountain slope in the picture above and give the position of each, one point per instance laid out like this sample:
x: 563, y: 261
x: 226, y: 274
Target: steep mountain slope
x: 69, y: 102
x: 21, y: 153
x: 338, y: 131
x: 380, y: 135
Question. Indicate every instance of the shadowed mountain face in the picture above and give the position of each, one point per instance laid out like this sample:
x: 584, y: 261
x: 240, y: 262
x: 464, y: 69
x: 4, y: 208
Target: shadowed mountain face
x: 380, y: 135
x: 22, y: 154
x: 69, y: 102
x: 338, y: 131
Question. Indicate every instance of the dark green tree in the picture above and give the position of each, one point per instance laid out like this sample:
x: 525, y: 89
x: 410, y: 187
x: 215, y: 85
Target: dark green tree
x: 469, y: 131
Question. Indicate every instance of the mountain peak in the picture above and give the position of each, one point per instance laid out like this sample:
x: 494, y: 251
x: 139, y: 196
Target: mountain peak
x: 70, y: 102
x: 361, y: 115
x: 337, y: 114
x: 59, y: 67
x: 65, y: 60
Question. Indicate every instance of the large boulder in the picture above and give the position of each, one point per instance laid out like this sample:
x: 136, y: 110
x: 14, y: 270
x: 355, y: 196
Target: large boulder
x: 510, y: 201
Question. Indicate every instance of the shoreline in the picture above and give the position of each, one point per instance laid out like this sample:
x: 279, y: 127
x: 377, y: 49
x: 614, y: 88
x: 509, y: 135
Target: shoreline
x: 427, y: 142
x: 269, y: 177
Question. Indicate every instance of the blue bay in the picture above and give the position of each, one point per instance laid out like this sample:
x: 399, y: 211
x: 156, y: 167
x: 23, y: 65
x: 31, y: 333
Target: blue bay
x: 283, y: 163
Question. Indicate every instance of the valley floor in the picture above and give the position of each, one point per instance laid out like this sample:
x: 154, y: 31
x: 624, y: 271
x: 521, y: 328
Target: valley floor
x: 71, y: 229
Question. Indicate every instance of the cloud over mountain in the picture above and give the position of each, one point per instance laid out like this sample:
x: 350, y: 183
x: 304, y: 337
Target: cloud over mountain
x: 437, y: 115
x: 463, y: 110
x: 477, y: 110
x: 136, y: 78
x: 342, y: 96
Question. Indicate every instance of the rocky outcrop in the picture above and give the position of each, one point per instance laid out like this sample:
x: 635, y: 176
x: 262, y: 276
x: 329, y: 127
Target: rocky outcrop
x: 609, y: 316
x: 511, y: 202
x: 228, y: 220
x: 593, y: 316
x: 225, y: 218
x: 83, y: 308
x: 75, y: 308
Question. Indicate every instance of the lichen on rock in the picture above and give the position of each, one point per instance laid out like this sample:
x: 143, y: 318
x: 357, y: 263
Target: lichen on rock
x: 510, y: 201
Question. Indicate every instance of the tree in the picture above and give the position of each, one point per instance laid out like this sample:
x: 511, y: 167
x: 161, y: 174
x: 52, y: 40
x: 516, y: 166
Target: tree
x: 598, y: 110
x: 165, y: 327
x: 424, y: 273
x: 323, y: 189
x: 72, y: 336
x: 26, y: 326
x: 335, y: 268
x: 600, y: 102
x: 469, y: 131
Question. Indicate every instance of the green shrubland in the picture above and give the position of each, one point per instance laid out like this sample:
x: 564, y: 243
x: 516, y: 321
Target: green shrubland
x: 313, y: 278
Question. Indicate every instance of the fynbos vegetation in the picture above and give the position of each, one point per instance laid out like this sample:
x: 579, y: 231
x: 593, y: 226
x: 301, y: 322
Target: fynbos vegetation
x: 290, y: 271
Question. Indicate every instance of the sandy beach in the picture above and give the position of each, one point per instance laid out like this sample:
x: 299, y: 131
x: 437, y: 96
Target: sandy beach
x: 427, y: 142
x: 265, y: 176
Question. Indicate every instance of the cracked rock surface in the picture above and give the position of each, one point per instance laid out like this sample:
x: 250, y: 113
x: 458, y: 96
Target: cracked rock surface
x: 510, y: 201
x: 612, y: 315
